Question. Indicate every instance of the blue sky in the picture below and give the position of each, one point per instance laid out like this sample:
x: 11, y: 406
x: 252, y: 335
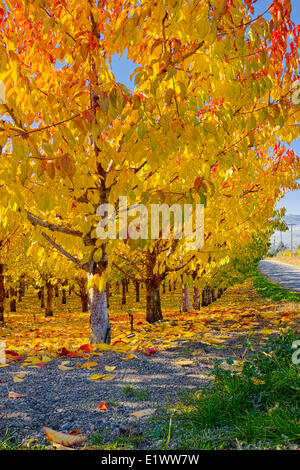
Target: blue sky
x: 123, y: 68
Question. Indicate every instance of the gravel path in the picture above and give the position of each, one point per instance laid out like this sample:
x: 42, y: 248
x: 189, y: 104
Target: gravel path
x: 68, y: 400
x: 284, y: 275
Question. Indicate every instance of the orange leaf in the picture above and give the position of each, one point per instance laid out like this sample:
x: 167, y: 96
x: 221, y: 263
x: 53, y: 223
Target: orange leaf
x: 102, y: 406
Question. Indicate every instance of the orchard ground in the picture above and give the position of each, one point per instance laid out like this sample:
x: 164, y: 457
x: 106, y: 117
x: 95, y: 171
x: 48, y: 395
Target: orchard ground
x: 62, y: 380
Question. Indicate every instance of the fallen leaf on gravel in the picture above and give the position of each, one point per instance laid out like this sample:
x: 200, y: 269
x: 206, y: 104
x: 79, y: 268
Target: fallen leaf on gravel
x: 102, y: 377
x: 110, y: 368
x: 96, y: 377
x: 14, y: 395
x: 149, y: 351
x: 63, y: 366
x: 184, y: 362
x: 89, y: 365
x: 128, y: 356
x: 102, y: 406
x: 76, y: 354
x: 19, y: 377
x: 32, y: 360
x: 142, y: 413
x: 4, y: 365
x: 63, y: 439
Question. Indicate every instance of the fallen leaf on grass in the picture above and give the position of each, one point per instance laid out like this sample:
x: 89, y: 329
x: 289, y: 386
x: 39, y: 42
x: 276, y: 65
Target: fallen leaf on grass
x: 67, y: 440
x: 257, y: 381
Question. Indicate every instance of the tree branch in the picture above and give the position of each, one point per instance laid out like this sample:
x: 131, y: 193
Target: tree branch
x: 54, y: 228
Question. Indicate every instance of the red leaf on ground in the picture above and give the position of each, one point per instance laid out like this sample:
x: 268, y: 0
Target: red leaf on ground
x: 86, y: 347
x: 149, y: 351
x: 63, y: 352
x: 76, y: 354
x: 118, y: 341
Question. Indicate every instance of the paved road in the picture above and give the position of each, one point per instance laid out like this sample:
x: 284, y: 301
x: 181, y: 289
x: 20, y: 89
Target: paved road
x: 284, y: 275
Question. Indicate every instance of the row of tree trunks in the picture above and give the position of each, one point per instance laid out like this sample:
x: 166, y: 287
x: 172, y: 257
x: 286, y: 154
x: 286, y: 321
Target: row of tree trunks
x: 208, y: 296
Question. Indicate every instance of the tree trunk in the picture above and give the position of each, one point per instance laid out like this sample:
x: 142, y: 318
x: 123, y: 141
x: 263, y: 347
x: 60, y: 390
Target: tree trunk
x: 84, y: 301
x: 56, y: 291
x: 13, y: 303
x: 123, y: 302
x: 99, y: 322
x: 164, y: 287
x: 137, y: 291
x: 49, y: 307
x: 107, y: 294
x: 21, y: 291
x: 153, y: 302
x: 64, y: 294
x: 127, y: 285
x: 220, y: 292
x: 2, y: 294
x: 42, y: 296
x: 185, y: 298
x: 213, y: 295
x: 196, y: 298
x: 206, y: 297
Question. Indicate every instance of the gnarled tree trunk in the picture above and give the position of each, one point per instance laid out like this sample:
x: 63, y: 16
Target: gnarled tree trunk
x: 99, y: 321
x: 153, y: 302
x: 153, y: 312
